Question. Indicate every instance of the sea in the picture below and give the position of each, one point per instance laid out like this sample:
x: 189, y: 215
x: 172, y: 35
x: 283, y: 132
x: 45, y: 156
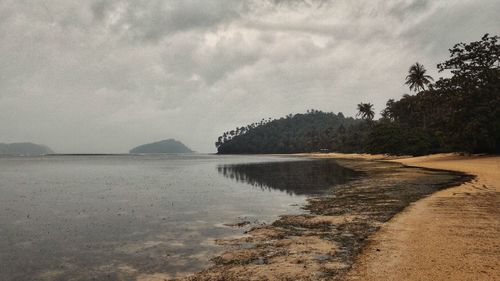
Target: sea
x: 115, y: 217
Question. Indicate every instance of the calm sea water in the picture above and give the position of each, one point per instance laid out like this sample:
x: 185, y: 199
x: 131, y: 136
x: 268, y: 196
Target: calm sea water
x: 116, y: 217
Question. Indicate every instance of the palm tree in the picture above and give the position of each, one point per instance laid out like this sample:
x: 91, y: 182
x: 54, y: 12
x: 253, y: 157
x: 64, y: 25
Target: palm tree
x: 417, y: 79
x: 388, y: 112
x: 365, y: 110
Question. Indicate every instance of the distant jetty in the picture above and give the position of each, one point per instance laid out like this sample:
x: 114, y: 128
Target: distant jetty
x: 164, y: 146
x: 24, y: 148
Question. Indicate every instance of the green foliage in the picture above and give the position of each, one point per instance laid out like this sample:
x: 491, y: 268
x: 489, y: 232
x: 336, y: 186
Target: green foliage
x: 417, y: 79
x: 474, y: 65
x: 459, y: 113
x: 393, y: 138
x: 365, y: 110
x: 308, y: 132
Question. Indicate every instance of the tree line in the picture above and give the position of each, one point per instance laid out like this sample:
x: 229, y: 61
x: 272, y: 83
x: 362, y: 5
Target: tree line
x: 306, y: 132
x: 457, y: 113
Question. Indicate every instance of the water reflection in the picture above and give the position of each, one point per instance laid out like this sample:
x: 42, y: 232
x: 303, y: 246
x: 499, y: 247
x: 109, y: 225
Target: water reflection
x: 119, y: 217
x: 292, y: 177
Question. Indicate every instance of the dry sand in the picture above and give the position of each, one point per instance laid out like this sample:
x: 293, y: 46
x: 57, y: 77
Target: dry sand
x: 453, y: 234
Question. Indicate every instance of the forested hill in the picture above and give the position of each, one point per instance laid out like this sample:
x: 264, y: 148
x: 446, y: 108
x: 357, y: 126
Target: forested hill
x: 307, y: 132
x: 460, y: 112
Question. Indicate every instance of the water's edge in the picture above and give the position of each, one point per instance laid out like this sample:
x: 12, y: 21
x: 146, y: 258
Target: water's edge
x: 124, y: 217
x: 343, y: 220
x: 162, y: 217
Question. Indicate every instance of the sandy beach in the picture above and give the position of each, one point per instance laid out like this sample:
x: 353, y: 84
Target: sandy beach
x: 325, y: 244
x: 453, y: 234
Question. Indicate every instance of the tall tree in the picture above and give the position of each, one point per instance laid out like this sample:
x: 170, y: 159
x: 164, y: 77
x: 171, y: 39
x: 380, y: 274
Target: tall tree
x: 473, y: 65
x: 417, y: 79
x: 387, y: 113
x: 365, y: 110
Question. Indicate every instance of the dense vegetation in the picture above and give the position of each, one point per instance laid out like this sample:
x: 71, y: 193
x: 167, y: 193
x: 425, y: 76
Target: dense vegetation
x: 164, y: 146
x: 293, y: 133
x: 458, y: 113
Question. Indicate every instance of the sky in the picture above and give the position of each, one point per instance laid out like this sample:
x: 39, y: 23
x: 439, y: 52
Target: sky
x: 102, y: 76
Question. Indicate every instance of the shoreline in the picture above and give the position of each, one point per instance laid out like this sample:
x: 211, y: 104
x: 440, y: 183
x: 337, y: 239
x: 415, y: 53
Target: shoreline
x: 325, y: 244
x: 449, y: 235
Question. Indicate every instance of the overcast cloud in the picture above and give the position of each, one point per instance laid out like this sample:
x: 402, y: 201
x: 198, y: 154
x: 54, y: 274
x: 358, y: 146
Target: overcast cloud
x: 104, y: 76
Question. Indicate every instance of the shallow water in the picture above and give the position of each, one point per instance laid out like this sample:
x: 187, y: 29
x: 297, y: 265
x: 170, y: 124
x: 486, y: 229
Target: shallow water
x: 116, y: 217
x: 324, y: 243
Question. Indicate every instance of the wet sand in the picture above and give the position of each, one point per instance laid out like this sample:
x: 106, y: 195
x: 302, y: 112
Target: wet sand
x: 453, y: 234
x: 324, y: 244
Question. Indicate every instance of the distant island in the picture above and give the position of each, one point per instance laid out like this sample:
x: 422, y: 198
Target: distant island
x: 164, y: 146
x: 24, y: 148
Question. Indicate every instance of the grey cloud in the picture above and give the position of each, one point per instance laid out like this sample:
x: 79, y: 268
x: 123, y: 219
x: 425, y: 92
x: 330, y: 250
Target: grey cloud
x: 403, y: 10
x: 103, y: 76
x: 446, y: 24
x: 153, y: 20
x: 101, y: 8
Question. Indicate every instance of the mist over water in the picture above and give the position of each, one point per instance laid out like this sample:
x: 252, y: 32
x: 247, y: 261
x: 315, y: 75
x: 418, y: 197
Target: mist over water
x: 115, y: 217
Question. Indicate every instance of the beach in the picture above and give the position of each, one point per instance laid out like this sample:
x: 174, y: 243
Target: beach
x: 451, y: 235
x: 324, y: 244
x: 299, y: 217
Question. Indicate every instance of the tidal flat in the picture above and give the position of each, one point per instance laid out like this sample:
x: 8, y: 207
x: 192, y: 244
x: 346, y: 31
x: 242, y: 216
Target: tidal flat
x: 225, y: 217
x: 323, y: 244
x: 129, y: 217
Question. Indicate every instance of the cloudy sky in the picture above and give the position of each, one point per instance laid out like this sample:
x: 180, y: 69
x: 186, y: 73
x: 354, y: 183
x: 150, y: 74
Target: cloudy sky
x: 106, y: 75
